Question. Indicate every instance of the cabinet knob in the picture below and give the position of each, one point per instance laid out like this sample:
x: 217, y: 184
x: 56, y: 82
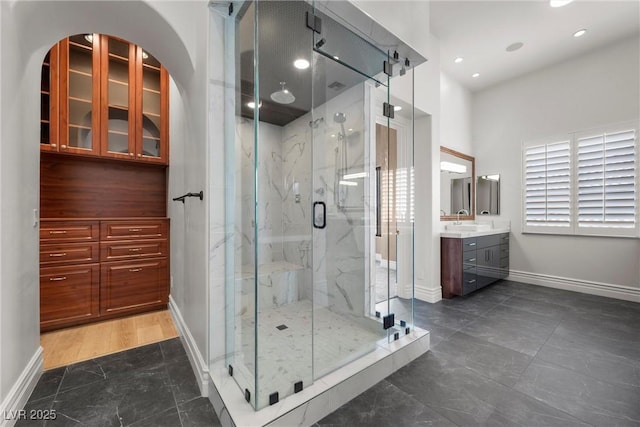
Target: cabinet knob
x: 139, y: 155
x: 54, y: 145
x: 131, y: 154
x: 63, y: 146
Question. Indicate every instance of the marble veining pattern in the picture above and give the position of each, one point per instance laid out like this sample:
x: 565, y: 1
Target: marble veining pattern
x: 285, y: 356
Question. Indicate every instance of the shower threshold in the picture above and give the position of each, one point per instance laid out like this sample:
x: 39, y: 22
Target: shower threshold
x: 322, y: 397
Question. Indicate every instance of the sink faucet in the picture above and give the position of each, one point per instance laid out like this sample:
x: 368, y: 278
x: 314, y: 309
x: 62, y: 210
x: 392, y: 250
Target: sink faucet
x: 464, y: 211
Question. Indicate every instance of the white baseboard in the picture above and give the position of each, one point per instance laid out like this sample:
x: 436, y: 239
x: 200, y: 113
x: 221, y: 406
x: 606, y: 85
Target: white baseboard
x: 198, y: 364
x: 428, y: 295
x: 21, y: 390
x: 578, y: 285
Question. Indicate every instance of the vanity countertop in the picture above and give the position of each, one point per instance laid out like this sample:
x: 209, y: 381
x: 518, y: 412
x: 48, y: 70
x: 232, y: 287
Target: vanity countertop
x: 455, y: 234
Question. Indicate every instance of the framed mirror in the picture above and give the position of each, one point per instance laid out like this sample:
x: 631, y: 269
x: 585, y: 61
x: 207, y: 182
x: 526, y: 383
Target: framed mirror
x: 488, y: 195
x: 457, y: 185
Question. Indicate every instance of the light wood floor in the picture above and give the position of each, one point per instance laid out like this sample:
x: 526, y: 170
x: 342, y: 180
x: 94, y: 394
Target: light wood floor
x: 80, y: 343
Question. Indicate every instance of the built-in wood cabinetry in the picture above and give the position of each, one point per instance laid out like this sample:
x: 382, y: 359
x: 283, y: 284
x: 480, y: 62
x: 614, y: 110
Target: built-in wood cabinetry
x: 104, y: 246
x: 469, y: 264
x: 92, y: 270
x: 103, y: 96
x: 69, y: 273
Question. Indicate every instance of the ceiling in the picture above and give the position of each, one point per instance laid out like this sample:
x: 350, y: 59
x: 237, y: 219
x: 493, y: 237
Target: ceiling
x: 480, y: 31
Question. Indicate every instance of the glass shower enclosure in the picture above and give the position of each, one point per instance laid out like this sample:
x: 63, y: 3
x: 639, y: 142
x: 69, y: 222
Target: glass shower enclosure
x: 319, y: 197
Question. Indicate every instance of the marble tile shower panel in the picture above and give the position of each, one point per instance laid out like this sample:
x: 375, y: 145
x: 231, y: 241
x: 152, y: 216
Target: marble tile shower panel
x: 287, y: 356
x: 270, y: 191
x: 279, y: 283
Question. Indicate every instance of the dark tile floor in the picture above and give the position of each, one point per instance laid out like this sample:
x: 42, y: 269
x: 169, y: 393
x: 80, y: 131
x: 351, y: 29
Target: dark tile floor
x: 510, y: 354
x: 150, y: 386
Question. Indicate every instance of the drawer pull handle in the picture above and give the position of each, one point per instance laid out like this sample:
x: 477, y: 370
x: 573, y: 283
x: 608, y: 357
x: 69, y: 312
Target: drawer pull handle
x: 58, y: 232
x: 134, y: 270
x: 57, y: 279
x: 471, y: 244
x: 471, y: 281
x: 471, y: 260
x: 135, y: 249
x: 135, y: 230
x: 58, y: 255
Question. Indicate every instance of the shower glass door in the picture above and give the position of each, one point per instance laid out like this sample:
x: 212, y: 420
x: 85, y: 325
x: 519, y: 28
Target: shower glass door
x: 346, y: 72
x: 303, y: 198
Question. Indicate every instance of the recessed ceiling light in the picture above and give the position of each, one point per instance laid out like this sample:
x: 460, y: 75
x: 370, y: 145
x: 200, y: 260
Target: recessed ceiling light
x: 474, y: 75
x: 145, y: 55
x: 514, y: 46
x: 397, y: 108
x: 559, y: 3
x: 301, y: 64
x: 350, y: 130
x: 252, y: 104
x: 458, y: 59
x: 89, y: 38
x: 333, y: 135
x: 337, y: 58
x: 579, y: 33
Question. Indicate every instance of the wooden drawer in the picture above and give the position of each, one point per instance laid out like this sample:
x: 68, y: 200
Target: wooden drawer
x: 131, y: 286
x: 134, y: 229
x: 469, y: 244
x: 469, y: 283
x: 68, y: 295
x: 469, y: 258
x: 117, y: 251
x: 68, y: 231
x: 68, y: 253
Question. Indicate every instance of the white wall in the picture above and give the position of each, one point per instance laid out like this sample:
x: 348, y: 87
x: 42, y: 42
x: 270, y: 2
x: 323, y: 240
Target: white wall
x: 179, y: 41
x: 599, y: 88
x: 455, y: 116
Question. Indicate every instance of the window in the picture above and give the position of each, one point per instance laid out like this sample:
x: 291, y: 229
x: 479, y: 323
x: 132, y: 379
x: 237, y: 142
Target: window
x: 586, y: 184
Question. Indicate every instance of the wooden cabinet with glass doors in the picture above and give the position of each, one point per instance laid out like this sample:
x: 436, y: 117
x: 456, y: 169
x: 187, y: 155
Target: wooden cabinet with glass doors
x: 103, y: 96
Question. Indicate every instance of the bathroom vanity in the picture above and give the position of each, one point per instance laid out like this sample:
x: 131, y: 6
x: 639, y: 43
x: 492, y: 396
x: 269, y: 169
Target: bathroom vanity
x: 471, y: 260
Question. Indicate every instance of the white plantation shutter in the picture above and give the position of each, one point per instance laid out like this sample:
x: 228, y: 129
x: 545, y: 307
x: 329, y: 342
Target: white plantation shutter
x: 607, y: 180
x: 547, y: 196
x: 585, y: 185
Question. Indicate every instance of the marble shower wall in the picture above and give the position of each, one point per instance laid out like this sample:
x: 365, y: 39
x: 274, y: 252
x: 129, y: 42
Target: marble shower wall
x: 338, y: 269
x: 269, y: 195
x: 336, y: 277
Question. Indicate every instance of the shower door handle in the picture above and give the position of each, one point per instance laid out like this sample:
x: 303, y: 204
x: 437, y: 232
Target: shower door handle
x: 319, y: 215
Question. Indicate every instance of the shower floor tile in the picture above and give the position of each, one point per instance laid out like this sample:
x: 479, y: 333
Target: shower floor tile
x: 286, y: 339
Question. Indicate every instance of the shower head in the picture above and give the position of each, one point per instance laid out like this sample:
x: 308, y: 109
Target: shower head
x: 339, y: 118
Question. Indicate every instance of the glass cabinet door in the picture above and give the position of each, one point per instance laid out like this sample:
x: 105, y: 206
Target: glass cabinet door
x: 49, y: 101
x: 118, y: 97
x: 80, y: 94
x: 151, y: 143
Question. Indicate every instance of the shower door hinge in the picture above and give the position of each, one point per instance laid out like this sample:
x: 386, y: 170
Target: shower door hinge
x: 314, y: 22
x: 388, y: 321
x: 388, y: 68
x: 230, y: 8
x: 388, y: 110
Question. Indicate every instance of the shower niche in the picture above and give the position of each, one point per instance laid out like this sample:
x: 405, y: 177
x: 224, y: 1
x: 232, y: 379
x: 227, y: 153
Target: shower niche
x: 303, y: 207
